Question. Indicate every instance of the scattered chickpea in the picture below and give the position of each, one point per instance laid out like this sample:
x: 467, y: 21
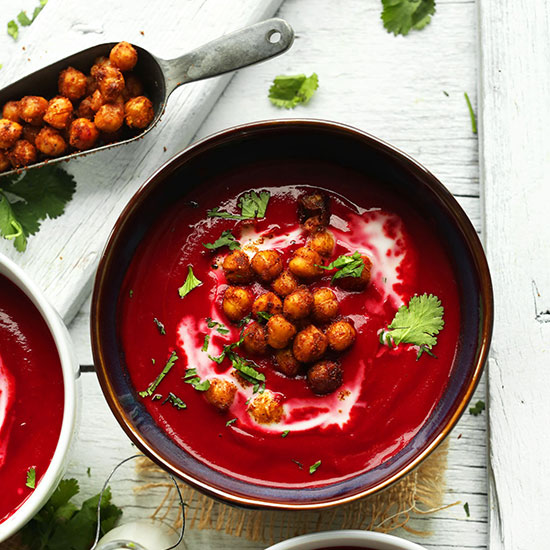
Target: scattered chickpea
x: 237, y: 302
x: 110, y: 82
x: 280, y: 332
x: 83, y: 134
x: 285, y: 283
x: 267, y: 264
x: 255, y: 339
x: 266, y: 408
x: 32, y: 109
x: 109, y: 118
x: 236, y: 267
x: 124, y: 56
x: 286, y: 363
x: 314, y: 204
x: 298, y: 304
x: 309, y: 345
x: 59, y: 113
x: 4, y: 161
x: 304, y: 263
x: 357, y: 283
x: 29, y: 133
x: 85, y: 109
x: 221, y: 393
x: 9, y: 133
x: 268, y: 303
x: 23, y: 153
x: 323, y: 242
x: 11, y: 111
x: 324, y: 377
x: 139, y: 112
x: 50, y: 142
x: 133, y: 87
x: 341, y: 335
x: 72, y: 84
x: 325, y: 305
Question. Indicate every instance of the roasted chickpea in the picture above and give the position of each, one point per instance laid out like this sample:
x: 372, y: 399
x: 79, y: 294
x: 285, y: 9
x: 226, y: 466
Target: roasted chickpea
x: 298, y: 305
x: 110, y: 81
x: 85, y: 109
x: 11, y: 111
x: 133, y: 87
x: 341, y: 335
x: 236, y: 267
x: 325, y: 305
x: 325, y: 377
x: 10, y: 132
x: 124, y: 56
x: 109, y: 118
x: 269, y: 303
x: 221, y: 393
x: 255, y: 339
x: 4, y: 161
x: 357, y: 283
x: 304, y: 263
x: 309, y: 345
x: 267, y: 264
x: 322, y: 242
x: 91, y: 85
x: 30, y: 133
x: 280, y: 332
x: 50, y: 142
x: 314, y: 204
x: 139, y: 112
x: 83, y: 134
x: 98, y: 63
x: 59, y: 113
x: 72, y: 84
x: 96, y: 101
x: 285, y: 283
x: 32, y: 109
x: 313, y: 225
x: 286, y: 363
x: 23, y: 153
x: 237, y: 302
x: 266, y: 408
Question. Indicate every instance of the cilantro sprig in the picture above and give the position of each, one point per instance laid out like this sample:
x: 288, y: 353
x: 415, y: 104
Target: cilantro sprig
x: 190, y: 283
x: 418, y: 323
x: 26, y: 200
x: 175, y: 401
x: 191, y: 377
x: 24, y: 20
x: 225, y: 239
x: 478, y: 408
x: 221, y: 328
x: 153, y: 385
x: 346, y: 266
x: 31, y: 478
x: 400, y: 16
x: 252, y: 205
x: 288, y: 91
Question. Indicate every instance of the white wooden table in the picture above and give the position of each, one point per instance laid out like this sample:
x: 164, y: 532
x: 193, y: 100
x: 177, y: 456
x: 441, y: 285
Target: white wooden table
x: 408, y: 91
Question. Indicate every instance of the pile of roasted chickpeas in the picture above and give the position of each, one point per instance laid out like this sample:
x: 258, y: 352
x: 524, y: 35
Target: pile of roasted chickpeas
x: 304, y: 324
x: 88, y: 109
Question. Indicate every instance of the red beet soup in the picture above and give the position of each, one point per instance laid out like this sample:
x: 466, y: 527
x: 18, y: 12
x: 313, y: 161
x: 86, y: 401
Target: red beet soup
x: 272, y: 429
x: 31, y: 397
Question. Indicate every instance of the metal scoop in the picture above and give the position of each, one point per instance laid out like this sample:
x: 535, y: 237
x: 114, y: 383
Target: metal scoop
x: 160, y: 77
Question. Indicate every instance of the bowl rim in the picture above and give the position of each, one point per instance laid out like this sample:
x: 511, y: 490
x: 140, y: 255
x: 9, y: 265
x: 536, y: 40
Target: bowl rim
x: 70, y: 369
x: 444, y: 196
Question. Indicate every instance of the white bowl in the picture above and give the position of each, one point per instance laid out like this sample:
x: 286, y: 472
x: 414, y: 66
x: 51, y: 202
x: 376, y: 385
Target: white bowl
x: 354, y: 538
x: 70, y: 368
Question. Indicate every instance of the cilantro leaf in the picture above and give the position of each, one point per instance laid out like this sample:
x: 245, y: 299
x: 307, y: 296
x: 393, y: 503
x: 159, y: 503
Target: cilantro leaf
x: 13, y: 29
x: 222, y: 329
x: 418, y: 323
x: 31, y: 478
x: 190, y: 283
x: 400, y: 16
x: 191, y: 377
x: 153, y: 385
x: 10, y: 227
x: 264, y: 316
x: 285, y: 433
x: 252, y: 204
x: 38, y: 9
x: 175, y: 401
x: 287, y: 91
x: 472, y: 114
x: 347, y: 266
x: 24, y: 21
x: 160, y: 326
x: 467, y: 509
x: 478, y: 408
x: 229, y: 422
x: 313, y: 468
x: 225, y: 239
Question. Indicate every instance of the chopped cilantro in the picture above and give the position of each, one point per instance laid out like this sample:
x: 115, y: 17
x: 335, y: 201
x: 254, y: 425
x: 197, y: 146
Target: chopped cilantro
x: 478, y: 408
x: 287, y: 91
x: 190, y: 283
x: 206, y: 340
x: 222, y: 329
x: 313, y: 468
x: 160, y: 326
x: 252, y: 204
x: 418, y: 323
x: 247, y: 371
x: 13, y: 29
x: 191, y: 377
x: 28, y: 199
x: 346, y: 266
x: 38, y: 9
x: 467, y: 509
x: 23, y: 19
x: 89, y: 471
x: 264, y: 316
x: 299, y: 464
x: 400, y: 16
x: 232, y: 421
x: 31, y: 478
x: 472, y: 114
x: 225, y: 239
x: 244, y: 321
x: 175, y: 401
x: 156, y: 397
x: 153, y: 386
x: 131, y: 293
x: 285, y: 433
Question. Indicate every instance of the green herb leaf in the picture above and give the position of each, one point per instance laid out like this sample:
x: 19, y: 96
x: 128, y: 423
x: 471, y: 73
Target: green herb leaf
x: 222, y: 329
x: 467, y: 509
x: 252, y: 204
x: 225, y: 239
x: 313, y: 468
x: 418, y: 323
x: 285, y: 433
x: 24, y: 21
x: 31, y: 478
x: 246, y: 370
x: 478, y: 408
x: 400, y: 16
x: 190, y: 283
x: 160, y: 326
x: 13, y: 29
x: 264, y: 316
x: 38, y: 9
x: 206, y: 340
x: 175, y: 401
x: 472, y: 114
x: 216, y: 213
x: 153, y: 386
x: 299, y: 464
x: 287, y: 91
x: 89, y: 471
x: 191, y: 377
x: 131, y: 293
x: 346, y: 266
x: 232, y: 421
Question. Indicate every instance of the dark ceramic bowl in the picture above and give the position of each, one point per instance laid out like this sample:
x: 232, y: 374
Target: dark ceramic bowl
x: 270, y: 141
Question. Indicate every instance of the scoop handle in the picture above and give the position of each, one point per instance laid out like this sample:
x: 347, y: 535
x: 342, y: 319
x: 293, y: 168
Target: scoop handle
x: 233, y: 51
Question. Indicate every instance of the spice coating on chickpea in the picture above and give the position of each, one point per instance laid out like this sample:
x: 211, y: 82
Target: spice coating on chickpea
x: 255, y: 339
x: 357, y: 283
x: 314, y: 204
x: 30, y: 133
x: 268, y: 303
x: 325, y: 377
x: 220, y: 394
x: 109, y: 118
x: 139, y: 112
x: 285, y: 283
x: 325, y: 305
x: 124, y: 56
x: 341, y: 335
x: 98, y: 63
x: 4, y: 161
x: 304, y: 263
x: 266, y: 408
x: 237, y: 269
x: 23, y: 153
x: 59, y: 113
x: 109, y: 81
x: 237, y: 302
x: 323, y: 242
x: 280, y: 332
x: 286, y: 363
x: 32, y: 109
x: 10, y: 132
x: 299, y: 304
x: 11, y: 111
x: 309, y: 345
x: 85, y: 109
x: 50, y: 142
x: 267, y: 264
x: 72, y: 84
x: 83, y: 134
